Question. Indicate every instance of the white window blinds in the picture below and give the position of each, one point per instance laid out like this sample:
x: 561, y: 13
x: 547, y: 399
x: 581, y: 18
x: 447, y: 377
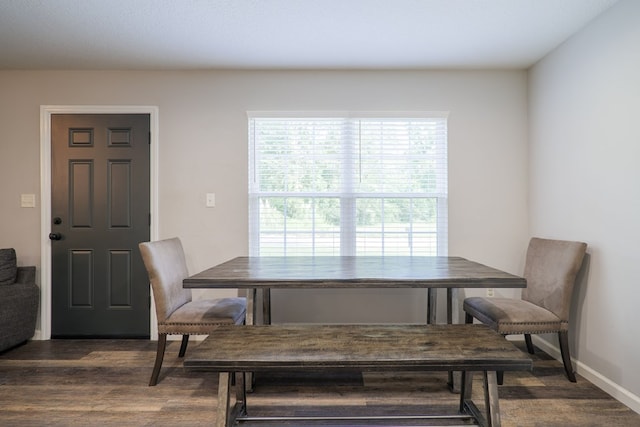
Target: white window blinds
x: 347, y: 185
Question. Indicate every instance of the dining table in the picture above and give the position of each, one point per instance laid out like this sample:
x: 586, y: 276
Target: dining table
x: 256, y: 273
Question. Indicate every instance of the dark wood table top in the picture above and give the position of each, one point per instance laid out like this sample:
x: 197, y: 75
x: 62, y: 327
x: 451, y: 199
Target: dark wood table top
x: 364, y: 347
x: 353, y: 272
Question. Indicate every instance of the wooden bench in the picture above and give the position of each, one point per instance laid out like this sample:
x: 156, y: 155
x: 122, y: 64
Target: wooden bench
x: 281, y: 348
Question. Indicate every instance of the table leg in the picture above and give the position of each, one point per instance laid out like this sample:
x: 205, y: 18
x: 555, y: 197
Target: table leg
x: 266, y: 306
x: 465, y: 388
x: 241, y: 392
x: 431, y: 306
x: 251, y: 307
x: 454, y: 380
x: 250, y: 320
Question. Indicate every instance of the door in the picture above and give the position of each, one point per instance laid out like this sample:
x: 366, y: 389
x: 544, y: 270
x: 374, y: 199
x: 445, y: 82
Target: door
x: 100, y: 212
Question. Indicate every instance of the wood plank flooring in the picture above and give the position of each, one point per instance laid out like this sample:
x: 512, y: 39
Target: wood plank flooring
x: 104, y: 383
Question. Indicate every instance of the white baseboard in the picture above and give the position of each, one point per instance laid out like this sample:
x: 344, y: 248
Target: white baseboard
x: 614, y: 390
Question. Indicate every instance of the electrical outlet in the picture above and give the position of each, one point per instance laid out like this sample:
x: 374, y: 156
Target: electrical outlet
x: 489, y: 292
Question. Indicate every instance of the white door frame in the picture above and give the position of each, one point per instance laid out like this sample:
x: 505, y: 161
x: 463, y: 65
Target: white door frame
x: 45, y: 195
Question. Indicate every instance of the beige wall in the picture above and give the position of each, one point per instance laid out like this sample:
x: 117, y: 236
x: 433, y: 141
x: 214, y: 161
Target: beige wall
x: 585, y: 185
x: 203, y: 148
x: 578, y: 179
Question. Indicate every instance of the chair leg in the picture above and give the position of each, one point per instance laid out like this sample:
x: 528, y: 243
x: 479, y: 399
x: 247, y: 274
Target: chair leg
x: 162, y: 343
x: 183, y: 345
x: 527, y: 339
x: 468, y: 318
x: 563, y: 337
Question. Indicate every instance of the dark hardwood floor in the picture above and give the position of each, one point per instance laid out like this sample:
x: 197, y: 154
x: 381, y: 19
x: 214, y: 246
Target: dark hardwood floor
x: 104, y: 383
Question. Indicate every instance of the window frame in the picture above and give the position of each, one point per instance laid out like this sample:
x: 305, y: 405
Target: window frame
x: 347, y: 245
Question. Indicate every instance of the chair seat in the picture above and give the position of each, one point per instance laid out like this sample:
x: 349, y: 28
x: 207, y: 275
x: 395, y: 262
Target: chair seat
x: 198, y: 317
x: 513, y: 316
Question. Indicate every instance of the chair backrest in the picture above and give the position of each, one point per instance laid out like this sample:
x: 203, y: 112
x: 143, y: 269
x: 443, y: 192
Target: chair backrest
x: 167, y: 267
x: 551, y: 268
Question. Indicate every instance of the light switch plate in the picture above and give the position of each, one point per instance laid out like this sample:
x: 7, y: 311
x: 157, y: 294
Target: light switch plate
x: 27, y: 200
x: 211, y: 200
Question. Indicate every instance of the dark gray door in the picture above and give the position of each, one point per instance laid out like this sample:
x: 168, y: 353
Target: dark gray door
x: 100, y: 212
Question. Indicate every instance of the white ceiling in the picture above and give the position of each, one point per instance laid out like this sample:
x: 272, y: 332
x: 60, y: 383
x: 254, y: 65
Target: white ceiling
x: 286, y: 34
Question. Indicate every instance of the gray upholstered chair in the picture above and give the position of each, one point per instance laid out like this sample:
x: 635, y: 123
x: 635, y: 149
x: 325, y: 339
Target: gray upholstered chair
x: 551, y: 268
x: 176, y: 311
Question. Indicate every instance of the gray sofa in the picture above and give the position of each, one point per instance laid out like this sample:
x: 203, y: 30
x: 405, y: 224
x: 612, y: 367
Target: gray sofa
x: 19, y: 301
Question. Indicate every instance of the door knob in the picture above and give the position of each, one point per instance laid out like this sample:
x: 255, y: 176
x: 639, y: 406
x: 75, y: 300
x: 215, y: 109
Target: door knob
x: 55, y: 236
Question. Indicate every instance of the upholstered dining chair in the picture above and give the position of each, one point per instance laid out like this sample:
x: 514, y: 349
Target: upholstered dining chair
x: 176, y: 311
x: 551, y: 268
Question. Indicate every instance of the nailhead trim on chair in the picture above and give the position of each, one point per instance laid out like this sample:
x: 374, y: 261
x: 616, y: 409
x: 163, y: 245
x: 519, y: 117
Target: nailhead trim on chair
x: 173, y: 325
x: 564, y: 326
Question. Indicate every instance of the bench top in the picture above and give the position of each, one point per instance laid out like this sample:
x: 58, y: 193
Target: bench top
x: 358, y: 347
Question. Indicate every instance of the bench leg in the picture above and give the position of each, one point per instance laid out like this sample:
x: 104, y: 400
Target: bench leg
x: 224, y: 395
x: 491, y: 417
x: 226, y: 414
x: 491, y: 398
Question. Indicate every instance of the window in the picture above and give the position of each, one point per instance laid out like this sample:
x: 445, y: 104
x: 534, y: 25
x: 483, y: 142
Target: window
x: 347, y: 184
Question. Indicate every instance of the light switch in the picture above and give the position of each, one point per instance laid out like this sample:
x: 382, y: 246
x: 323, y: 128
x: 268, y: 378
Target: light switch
x: 27, y: 200
x: 211, y: 200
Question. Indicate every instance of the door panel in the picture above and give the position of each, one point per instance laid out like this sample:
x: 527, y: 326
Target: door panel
x: 100, y: 211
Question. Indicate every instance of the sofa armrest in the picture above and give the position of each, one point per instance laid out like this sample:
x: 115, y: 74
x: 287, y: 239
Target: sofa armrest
x: 26, y: 274
x: 19, y: 309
